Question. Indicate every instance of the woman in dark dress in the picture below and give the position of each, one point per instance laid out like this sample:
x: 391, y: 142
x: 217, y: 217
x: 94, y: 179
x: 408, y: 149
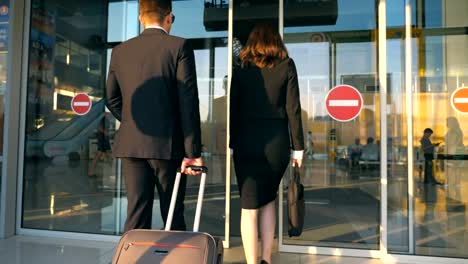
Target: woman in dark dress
x: 265, y: 125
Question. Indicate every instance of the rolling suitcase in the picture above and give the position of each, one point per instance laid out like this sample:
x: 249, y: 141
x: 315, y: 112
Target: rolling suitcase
x: 171, y: 247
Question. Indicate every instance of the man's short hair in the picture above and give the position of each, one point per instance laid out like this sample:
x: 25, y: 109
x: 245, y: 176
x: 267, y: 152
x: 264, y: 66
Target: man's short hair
x: 428, y: 130
x: 155, y: 10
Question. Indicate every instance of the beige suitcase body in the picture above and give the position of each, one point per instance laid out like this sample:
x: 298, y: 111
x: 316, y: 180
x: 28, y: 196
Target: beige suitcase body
x: 168, y: 247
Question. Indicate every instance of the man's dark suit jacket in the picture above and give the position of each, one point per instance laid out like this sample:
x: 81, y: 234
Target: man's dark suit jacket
x: 152, y: 90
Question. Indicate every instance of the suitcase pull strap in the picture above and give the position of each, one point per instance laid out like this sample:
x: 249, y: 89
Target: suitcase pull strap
x: 201, y: 192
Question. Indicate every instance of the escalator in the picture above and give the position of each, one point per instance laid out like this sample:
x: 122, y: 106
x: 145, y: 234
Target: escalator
x: 63, y: 135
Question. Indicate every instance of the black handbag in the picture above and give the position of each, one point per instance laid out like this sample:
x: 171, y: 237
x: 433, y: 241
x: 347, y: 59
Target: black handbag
x: 296, y: 204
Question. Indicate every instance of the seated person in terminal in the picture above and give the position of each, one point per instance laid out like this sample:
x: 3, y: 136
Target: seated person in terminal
x: 370, y: 152
x: 354, y: 151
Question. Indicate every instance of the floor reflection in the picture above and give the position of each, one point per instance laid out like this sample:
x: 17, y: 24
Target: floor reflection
x: 59, y: 195
x: 440, y: 213
x: 343, y: 208
x: 342, y: 204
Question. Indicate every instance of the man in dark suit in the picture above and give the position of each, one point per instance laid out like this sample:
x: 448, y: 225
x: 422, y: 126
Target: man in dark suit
x: 152, y: 90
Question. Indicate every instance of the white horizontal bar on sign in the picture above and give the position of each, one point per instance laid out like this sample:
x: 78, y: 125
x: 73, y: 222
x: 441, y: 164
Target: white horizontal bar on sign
x: 80, y: 103
x: 343, y: 103
x: 461, y: 100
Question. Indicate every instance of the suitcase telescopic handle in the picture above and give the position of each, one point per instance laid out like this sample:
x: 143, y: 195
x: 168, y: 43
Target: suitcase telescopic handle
x: 201, y: 169
x: 201, y: 192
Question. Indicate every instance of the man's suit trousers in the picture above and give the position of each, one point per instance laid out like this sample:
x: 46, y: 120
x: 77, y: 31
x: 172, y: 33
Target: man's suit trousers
x: 141, y: 176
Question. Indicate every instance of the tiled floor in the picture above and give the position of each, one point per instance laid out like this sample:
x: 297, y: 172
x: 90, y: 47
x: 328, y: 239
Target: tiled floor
x: 235, y: 255
x: 20, y: 249
x: 342, y: 208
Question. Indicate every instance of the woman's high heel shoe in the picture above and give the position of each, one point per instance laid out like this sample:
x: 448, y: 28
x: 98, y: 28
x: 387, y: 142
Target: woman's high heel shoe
x: 263, y: 262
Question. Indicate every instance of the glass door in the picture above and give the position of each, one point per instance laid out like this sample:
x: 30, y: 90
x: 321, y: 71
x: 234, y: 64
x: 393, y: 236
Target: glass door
x: 70, y: 182
x: 427, y: 204
x: 334, y: 44
x: 440, y: 98
x: 69, y: 178
x: 206, y: 25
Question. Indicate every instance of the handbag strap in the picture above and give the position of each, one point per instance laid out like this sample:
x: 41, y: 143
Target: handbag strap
x: 297, y: 175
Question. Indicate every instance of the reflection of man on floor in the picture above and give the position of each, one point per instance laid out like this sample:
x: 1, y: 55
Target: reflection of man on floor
x: 219, y: 121
x: 428, y: 149
x: 103, y: 146
x: 215, y: 141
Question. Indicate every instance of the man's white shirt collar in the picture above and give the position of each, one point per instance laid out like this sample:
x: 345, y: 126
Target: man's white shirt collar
x: 158, y: 27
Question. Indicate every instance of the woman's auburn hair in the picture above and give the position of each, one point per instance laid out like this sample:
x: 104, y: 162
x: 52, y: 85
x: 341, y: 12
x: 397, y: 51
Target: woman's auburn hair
x: 264, y: 48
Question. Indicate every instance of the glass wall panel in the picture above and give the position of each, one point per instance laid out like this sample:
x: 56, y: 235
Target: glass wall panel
x: 123, y: 21
x: 432, y: 221
x: 397, y: 158
x: 397, y: 129
x: 440, y: 175
x: 70, y: 179
x: 70, y: 184
x: 334, y: 43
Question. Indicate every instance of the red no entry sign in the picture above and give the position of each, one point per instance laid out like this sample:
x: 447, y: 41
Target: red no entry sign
x: 459, y: 100
x: 81, y: 104
x: 343, y: 103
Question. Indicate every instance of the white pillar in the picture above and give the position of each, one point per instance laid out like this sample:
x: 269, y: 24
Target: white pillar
x: 11, y: 138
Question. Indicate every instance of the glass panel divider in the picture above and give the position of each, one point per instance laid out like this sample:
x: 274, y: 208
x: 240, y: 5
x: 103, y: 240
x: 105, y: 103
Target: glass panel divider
x: 382, y: 71
x: 227, y: 223
x: 281, y: 187
x: 409, y: 115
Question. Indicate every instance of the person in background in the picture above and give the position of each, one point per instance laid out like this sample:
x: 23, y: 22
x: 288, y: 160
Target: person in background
x: 355, y: 151
x: 428, y: 149
x: 370, y: 151
x: 265, y: 124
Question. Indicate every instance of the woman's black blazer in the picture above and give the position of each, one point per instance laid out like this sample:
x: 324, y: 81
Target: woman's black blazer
x: 266, y: 93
